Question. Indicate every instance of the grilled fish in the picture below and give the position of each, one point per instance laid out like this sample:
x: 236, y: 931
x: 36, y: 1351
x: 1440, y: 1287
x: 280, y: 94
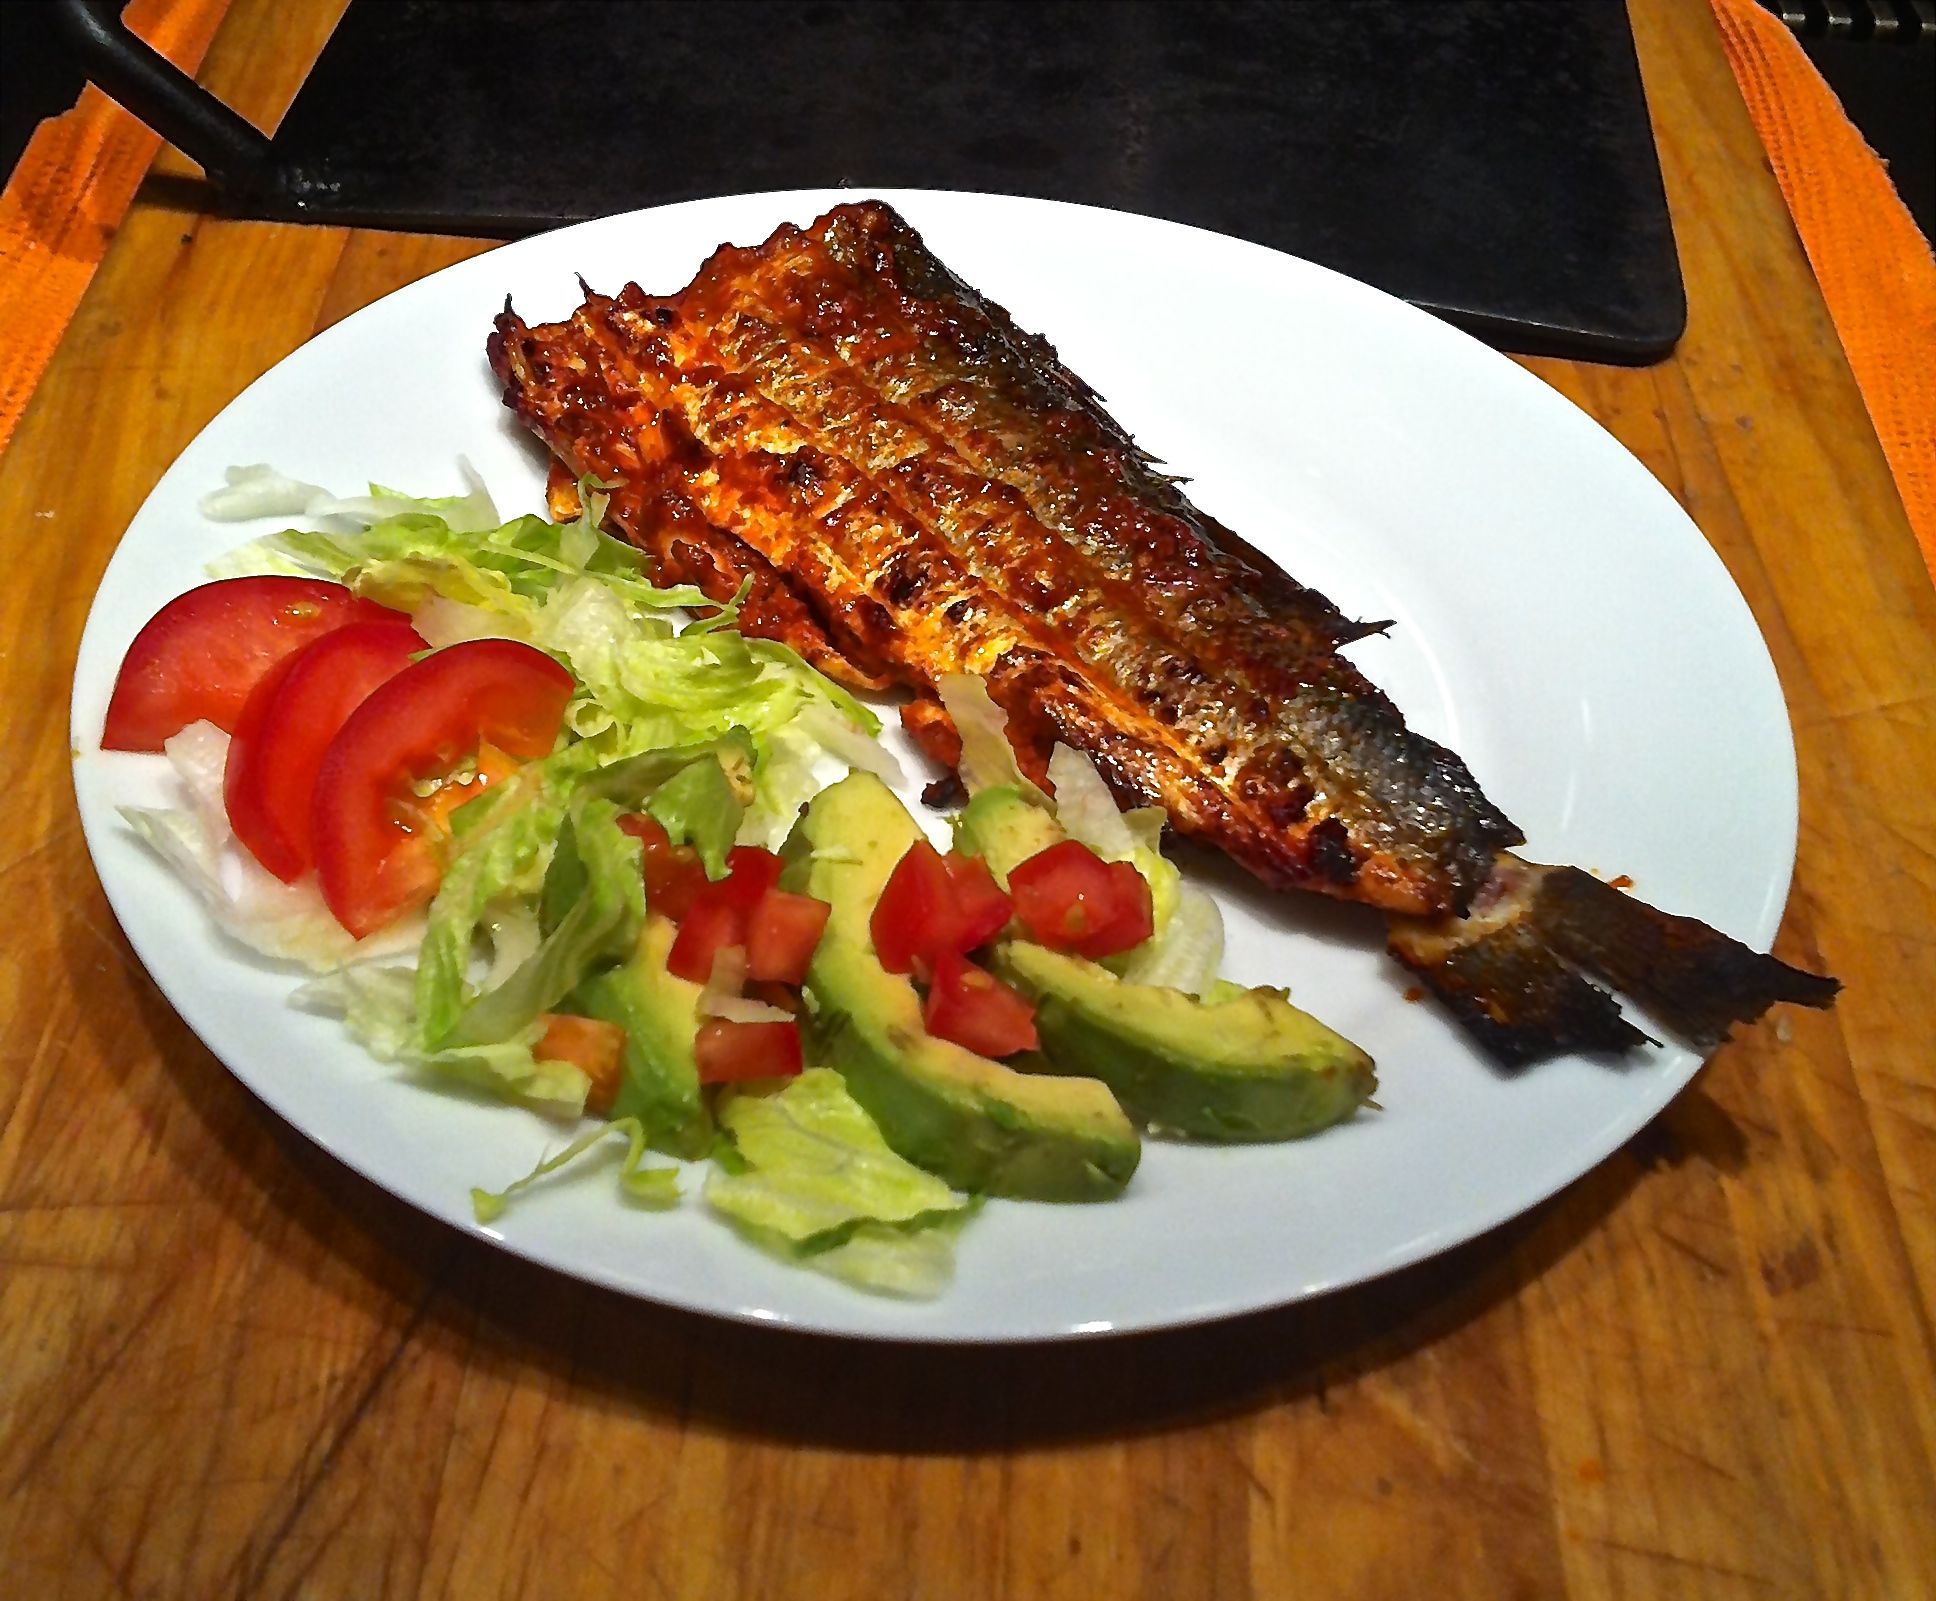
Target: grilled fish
x: 937, y: 493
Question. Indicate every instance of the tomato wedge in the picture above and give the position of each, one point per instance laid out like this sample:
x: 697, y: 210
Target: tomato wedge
x: 286, y: 726
x: 674, y: 875
x: 1070, y: 899
x: 596, y: 1048
x: 977, y: 1010
x: 377, y: 817
x: 729, y: 1052
x: 781, y: 933
x: 200, y: 655
x: 933, y: 904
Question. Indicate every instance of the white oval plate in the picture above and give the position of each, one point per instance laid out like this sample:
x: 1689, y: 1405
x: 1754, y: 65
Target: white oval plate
x: 1560, y: 623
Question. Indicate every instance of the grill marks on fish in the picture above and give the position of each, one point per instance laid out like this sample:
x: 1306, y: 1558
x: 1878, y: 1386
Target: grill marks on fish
x: 980, y: 434
x: 916, y: 486
x: 593, y: 423
x: 1135, y: 619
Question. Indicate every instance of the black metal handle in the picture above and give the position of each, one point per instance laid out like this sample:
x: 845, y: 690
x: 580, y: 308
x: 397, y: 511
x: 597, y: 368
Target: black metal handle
x: 233, y: 152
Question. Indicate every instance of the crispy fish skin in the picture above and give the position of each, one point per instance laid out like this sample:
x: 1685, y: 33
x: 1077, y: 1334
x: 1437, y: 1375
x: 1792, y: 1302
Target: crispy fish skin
x: 574, y: 407
x: 889, y: 443
x: 1126, y: 624
x: 1512, y: 970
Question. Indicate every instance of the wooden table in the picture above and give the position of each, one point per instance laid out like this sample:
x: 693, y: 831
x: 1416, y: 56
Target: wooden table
x: 229, y: 1367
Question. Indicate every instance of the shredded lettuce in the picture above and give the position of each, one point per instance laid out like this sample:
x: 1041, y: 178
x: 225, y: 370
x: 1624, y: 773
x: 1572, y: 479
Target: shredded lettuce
x: 987, y: 758
x: 649, y: 1186
x: 815, y: 1183
x: 504, y: 842
x: 378, y: 1006
x: 591, y: 908
x: 259, y: 491
x: 1187, y: 951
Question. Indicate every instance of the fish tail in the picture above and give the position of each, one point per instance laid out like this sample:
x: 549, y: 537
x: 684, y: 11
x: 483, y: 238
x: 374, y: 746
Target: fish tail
x: 1518, y: 971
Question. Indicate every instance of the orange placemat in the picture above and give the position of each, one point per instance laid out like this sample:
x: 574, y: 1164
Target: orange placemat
x: 68, y: 195
x: 1871, y: 260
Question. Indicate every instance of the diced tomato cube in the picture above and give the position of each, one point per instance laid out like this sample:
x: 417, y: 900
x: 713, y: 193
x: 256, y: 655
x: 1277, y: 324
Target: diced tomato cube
x: 933, y: 904
x: 781, y: 934
x: 1068, y: 898
x: 674, y: 875
x: 727, y: 1052
x: 977, y: 1010
x: 916, y: 911
x: 750, y: 873
x: 983, y: 908
x: 594, y: 1047
x: 712, y: 924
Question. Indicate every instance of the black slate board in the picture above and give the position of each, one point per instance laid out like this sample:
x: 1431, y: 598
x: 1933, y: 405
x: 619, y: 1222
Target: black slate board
x: 1489, y: 161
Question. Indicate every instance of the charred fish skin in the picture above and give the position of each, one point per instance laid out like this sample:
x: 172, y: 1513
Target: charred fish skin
x: 1199, y: 680
x: 572, y: 402
x: 840, y: 411
x: 1517, y: 971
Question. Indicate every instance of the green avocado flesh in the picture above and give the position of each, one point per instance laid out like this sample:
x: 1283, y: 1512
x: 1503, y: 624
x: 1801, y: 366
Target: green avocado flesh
x: 660, y: 1016
x: 1250, y: 1066
x: 983, y: 1127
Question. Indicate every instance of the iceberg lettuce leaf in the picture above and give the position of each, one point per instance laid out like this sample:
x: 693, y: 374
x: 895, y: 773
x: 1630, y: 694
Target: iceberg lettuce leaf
x: 814, y: 1181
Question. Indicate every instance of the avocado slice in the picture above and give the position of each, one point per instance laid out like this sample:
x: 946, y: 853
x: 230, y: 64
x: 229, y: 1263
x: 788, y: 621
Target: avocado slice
x: 981, y: 1126
x: 1246, y: 1065
x: 660, y: 1015
x: 1250, y: 1067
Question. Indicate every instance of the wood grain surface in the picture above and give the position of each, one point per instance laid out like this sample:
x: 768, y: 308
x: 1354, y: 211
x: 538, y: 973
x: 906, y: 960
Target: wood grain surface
x: 228, y: 1367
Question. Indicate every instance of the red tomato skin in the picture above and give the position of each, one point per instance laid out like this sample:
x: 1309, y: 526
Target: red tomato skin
x: 674, y: 875
x: 750, y: 874
x: 713, y: 924
x: 376, y: 852
x: 1069, y: 899
x: 976, y: 1010
x: 983, y: 910
x: 781, y: 933
x: 918, y: 914
x: 728, y: 1053
x: 200, y: 655
x: 285, y: 727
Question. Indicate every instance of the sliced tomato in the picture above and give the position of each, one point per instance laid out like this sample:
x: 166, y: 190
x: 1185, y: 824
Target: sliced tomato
x: 1070, y: 899
x: 713, y: 924
x: 596, y: 1048
x: 977, y: 1010
x: 674, y: 875
x: 983, y: 908
x: 781, y: 933
x: 382, y: 797
x: 200, y: 655
x: 286, y: 725
x: 729, y: 1052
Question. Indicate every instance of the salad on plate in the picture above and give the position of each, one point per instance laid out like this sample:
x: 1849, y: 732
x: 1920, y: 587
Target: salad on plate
x: 542, y: 830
